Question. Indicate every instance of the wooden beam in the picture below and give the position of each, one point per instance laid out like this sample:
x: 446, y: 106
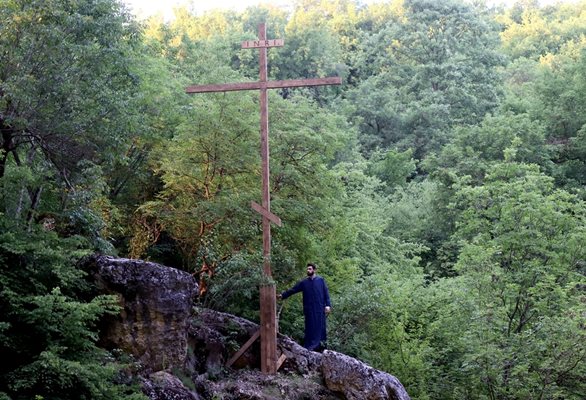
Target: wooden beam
x: 232, y: 87
x: 266, y: 213
x: 281, y: 360
x: 268, y: 330
x: 223, y: 87
x: 268, y: 296
x: 332, y: 80
x: 244, y: 347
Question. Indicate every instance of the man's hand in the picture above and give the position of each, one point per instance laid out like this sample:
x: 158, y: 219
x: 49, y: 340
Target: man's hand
x: 279, y: 296
x: 328, y: 310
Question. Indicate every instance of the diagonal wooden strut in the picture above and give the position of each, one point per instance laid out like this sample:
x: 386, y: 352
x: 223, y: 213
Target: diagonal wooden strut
x: 265, y: 213
x: 244, y: 347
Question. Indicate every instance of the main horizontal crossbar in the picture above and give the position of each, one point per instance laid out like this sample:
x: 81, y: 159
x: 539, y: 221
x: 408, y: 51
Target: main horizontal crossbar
x: 231, y: 87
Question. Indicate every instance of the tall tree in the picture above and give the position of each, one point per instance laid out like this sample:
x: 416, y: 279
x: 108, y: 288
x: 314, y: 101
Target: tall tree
x: 66, y: 111
x: 546, y: 82
x: 522, y: 263
x: 65, y: 88
x: 433, y: 68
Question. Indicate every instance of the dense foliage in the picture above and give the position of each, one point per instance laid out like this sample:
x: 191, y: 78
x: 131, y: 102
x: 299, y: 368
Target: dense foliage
x: 441, y: 189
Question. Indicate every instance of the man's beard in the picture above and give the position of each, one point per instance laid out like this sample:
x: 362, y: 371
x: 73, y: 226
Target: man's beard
x: 310, y: 273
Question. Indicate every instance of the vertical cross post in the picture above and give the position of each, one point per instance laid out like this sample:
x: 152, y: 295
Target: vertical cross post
x: 268, y: 307
x: 268, y: 301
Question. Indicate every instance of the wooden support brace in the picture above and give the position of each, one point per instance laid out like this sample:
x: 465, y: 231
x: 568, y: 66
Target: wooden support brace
x: 281, y: 360
x: 244, y: 347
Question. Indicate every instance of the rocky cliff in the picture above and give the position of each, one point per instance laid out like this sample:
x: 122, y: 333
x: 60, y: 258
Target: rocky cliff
x: 183, y: 350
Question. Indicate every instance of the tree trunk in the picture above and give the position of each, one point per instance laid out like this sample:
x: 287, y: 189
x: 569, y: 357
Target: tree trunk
x: 35, y: 201
x: 6, y: 146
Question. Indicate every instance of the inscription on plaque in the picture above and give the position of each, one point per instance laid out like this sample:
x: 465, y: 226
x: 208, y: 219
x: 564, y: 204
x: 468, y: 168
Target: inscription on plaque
x: 258, y: 44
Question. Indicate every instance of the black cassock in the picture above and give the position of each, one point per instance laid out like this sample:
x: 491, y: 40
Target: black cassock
x: 315, y: 299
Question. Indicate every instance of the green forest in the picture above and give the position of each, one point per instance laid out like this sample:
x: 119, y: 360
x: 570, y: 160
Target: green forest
x: 441, y: 189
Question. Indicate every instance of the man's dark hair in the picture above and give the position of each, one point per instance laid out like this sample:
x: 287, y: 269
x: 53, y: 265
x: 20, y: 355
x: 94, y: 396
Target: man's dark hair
x: 311, y: 265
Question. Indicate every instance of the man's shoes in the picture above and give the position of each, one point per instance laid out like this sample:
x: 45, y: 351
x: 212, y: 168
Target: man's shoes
x: 322, y: 346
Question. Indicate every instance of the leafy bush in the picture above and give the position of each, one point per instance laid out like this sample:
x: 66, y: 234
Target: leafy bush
x: 49, y: 317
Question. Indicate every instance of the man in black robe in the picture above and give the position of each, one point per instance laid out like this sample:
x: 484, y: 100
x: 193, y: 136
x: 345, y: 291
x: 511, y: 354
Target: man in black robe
x: 316, y: 305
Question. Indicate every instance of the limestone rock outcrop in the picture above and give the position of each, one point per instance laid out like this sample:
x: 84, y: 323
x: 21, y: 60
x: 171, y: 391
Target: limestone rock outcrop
x: 156, y: 304
x: 215, y: 336
x: 160, y: 327
x: 162, y: 385
x: 341, y: 376
x: 358, y: 381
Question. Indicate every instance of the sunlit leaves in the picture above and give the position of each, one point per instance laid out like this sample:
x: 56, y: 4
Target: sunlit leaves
x: 516, y: 227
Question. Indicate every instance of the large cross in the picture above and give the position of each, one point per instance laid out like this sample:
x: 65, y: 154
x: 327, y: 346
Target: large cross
x: 268, y: 323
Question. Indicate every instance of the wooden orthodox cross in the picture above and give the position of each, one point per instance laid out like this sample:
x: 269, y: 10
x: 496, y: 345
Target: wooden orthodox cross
x: 268, y: 323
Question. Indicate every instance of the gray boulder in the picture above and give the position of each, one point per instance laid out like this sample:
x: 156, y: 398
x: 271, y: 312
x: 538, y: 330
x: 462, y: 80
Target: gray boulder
x: 160, y: 328
x: 156, y: 304
x: 162, y: 385
x: 357, y: 381
x: 216, y: 336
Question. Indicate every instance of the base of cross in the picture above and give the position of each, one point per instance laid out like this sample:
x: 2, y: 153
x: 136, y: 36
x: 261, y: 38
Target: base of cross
x: 270, y: 360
